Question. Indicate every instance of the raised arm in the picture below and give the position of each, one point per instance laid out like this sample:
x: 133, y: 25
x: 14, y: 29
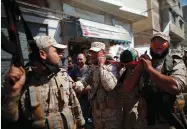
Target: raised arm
x: 14, y: 81
x: 108, y: 79
x: 130, y: 83
x: 175, y: 82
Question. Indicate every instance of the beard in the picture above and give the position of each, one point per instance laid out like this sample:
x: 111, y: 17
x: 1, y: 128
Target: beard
x: 159, y: 55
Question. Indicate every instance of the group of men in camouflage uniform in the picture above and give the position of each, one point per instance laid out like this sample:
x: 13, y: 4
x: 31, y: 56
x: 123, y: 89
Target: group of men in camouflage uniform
x: 133, y: 99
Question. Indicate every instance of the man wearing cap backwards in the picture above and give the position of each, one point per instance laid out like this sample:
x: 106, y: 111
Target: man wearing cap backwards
x: 162, y: 79
x: 37, y: 101
x: 105, y: 102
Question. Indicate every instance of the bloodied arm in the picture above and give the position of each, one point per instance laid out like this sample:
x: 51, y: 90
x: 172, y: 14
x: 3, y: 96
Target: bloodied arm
x: 130, y: 83
x: 14, y: 81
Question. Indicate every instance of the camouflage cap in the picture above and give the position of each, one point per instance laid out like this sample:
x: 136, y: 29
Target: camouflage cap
x: 161, y: 35
x: 46, y: 41
x: 97, y: 46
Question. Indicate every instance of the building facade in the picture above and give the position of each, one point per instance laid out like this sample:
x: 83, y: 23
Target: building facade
x: 184, y: 43
x: 163, y: 15
x: 144, y: 29
x: 42, y: 19
x: 171, y: 11
x: 77, y: 23
x: 110, y: 17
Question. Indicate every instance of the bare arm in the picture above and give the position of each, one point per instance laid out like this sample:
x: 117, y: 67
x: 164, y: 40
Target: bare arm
x: 164, y: 82
x: 130, y: 83
x: 174, y: 83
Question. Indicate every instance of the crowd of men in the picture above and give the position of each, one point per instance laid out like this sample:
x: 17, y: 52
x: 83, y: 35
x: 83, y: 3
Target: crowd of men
x: 139, y: 92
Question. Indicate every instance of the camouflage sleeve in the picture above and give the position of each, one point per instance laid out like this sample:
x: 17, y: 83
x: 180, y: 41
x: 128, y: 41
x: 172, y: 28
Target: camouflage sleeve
x: 76, y: 109
x: 179, y: 73
x: 10, y: 110
x: 108, y: 80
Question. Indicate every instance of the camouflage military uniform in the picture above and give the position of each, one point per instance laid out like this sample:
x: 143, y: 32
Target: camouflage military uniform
x: 179, y: 73
x: 112, y: 68
x: 45, y: 101
x: 106, y: 108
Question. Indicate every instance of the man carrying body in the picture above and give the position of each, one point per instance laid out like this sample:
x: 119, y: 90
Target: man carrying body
x: 161, y: 80
x: 105, y: 102
x: 38, y: 101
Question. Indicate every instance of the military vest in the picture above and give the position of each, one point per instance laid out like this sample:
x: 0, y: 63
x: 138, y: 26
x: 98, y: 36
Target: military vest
x: 101, y: 98
x: 56, y: 120
x: 162, y: 103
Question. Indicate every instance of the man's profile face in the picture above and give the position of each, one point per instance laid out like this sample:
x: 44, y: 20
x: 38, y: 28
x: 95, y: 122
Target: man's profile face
x: 52, y: 56
x: 60, y: 53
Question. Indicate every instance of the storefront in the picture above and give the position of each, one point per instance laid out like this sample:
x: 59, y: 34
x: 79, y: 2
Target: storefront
x: 80, y: 33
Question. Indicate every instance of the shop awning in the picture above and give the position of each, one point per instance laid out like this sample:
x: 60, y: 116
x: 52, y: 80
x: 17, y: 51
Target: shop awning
x: 98, y: 30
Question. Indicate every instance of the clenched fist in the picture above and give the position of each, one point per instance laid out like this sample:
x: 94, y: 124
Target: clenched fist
x: 14, y: 80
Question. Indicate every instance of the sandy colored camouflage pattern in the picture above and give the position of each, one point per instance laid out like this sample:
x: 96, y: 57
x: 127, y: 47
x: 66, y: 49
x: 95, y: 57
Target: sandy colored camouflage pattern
x: 179, y: 73
x: 51, y: 95
x: 105, y: 102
